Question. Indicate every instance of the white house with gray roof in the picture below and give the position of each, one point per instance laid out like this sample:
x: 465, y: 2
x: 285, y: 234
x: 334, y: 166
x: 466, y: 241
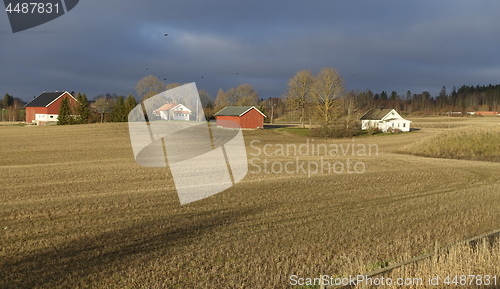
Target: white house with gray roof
x: 385, y: 120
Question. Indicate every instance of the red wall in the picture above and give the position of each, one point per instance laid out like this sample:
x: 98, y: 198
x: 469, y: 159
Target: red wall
x: 251, y: 119
x: 30, y: 114
x: 220, y: 120
x: 31, y: 111
x: 486, y: 113
x: 54, y: 107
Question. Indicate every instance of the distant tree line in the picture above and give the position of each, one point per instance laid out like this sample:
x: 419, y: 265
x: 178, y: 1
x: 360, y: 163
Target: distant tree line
x: 11, y: 108
x: 466, y: 98
x: 318, y: 100
x: 104, y: 107
x: 112, y: 108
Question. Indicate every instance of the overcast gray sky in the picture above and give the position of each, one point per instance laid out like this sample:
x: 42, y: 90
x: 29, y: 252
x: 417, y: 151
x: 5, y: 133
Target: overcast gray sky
x: 107, y: 46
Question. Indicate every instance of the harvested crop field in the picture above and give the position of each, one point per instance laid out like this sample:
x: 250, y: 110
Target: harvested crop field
x: 78, y: 212
x: 462, y: 265
x: 470, y: 142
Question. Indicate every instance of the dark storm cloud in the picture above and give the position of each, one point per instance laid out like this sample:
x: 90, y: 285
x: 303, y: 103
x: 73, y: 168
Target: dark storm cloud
x: 107, y: 46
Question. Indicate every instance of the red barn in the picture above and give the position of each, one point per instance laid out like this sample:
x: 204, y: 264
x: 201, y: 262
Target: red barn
x: 487, y: 113
x: 248, y: 117
x: 44, y: 109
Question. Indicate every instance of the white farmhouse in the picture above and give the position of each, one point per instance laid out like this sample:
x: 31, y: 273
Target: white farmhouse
x: 384, y: 119
x: 173, y: 111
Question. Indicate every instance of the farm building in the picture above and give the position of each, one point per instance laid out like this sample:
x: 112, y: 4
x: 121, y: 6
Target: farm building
x: 44, y: 109
x: 486, y: 113
x: 248, y: 117
x: 384, y: 119
x: 173, y: 111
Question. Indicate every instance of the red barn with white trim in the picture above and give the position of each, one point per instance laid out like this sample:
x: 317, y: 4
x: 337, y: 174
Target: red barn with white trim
x: 248, y: 117
x: 44, y: 109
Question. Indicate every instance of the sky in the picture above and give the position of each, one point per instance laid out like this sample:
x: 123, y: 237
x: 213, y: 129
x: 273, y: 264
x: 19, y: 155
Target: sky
x: 108, y: 46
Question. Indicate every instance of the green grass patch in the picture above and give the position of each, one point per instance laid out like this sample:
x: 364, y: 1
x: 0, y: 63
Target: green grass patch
x: 296, y: 130
x: 365, y: 133
x: 7, y: 123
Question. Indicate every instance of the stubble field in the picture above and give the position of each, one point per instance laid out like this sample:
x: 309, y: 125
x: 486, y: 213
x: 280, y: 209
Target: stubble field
x: 78, y: 212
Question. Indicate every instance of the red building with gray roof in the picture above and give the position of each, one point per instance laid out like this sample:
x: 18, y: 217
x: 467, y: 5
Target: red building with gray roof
x: 247, y: 117
x: 44, y: 109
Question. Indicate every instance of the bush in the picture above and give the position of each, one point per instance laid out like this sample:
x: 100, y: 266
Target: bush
x: 393, y: 130
x: 339, y: 129
x: 374, y: 130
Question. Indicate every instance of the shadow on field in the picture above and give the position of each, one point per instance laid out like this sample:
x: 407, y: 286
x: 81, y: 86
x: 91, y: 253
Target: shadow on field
x: 73, y: 261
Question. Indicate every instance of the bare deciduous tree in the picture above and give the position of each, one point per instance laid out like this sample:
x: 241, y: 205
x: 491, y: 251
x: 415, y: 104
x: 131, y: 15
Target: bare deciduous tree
x: 103, y: 106
x: 221, y: 100
x: 299, y: 92
x: 328, y: 86
x: 172, y: 85
x: 349, y: 109
x: 149, y: 86
x: 243, y: 95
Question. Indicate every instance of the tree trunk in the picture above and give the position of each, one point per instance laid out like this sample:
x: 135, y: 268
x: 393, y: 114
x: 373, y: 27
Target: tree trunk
x: 302, y: 118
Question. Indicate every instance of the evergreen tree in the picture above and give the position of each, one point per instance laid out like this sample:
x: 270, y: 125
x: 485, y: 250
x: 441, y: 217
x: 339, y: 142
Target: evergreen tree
x: 394, y: 96
x: 77, y: 108
x: 454, y: 91
x: 119, y: 111
x: 82, y: 110
x: 85, y: 111
x: 8, y: 100
x: 64, y: 112
x: 442, y: 98
x: 130, y: 103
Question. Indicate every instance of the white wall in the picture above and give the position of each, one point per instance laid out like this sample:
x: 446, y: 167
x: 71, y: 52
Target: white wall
x: 401, y: 124
x: 176, y: 115
x: 46, y: 117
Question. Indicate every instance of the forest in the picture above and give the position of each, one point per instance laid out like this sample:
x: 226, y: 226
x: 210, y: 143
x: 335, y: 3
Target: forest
x: 466, y: 98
